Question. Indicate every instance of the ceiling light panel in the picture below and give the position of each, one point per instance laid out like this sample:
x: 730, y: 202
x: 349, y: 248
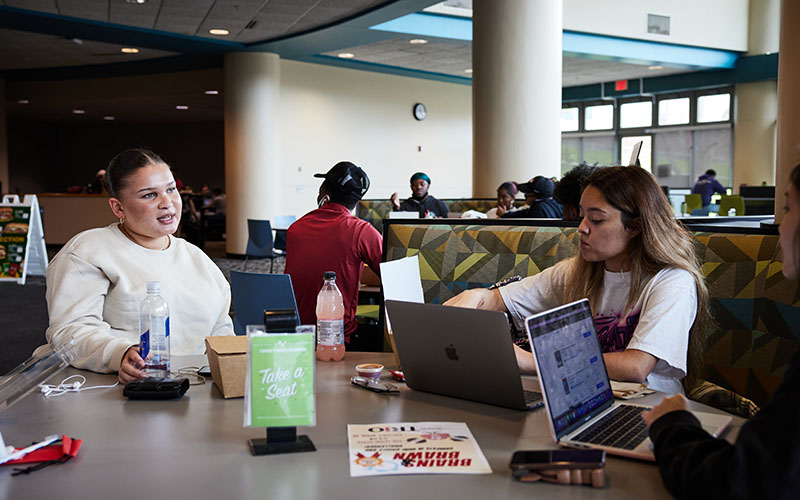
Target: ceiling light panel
x: 140, y: 15
x: 232, y: 16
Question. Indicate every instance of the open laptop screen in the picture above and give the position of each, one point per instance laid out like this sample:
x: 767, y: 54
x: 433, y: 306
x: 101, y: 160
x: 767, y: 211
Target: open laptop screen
x: 571, y: 367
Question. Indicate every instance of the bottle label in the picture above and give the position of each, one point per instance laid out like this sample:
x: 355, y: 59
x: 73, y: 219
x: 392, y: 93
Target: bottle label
x: 144, y: 344
x: 330, y: 332
x: 166, y: 326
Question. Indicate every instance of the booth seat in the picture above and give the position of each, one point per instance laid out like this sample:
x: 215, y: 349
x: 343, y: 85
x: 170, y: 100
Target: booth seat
x: 374, y: 211
x: 756, y: 311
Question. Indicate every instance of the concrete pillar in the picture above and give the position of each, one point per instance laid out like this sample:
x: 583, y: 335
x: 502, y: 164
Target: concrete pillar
x: 788, y: 153
x: 754, y: 134
x: 252, y: 172
x: 516, y: 92
x: 6, y: 186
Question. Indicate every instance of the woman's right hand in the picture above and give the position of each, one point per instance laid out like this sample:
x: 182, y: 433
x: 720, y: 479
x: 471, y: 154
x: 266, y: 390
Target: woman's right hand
x: 131, y: 367
x: 501, y: 210
x: 395, y: 201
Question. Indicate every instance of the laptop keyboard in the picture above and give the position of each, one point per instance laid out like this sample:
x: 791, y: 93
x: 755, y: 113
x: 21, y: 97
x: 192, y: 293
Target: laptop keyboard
x: 622, y: 428
x: 533, y: 398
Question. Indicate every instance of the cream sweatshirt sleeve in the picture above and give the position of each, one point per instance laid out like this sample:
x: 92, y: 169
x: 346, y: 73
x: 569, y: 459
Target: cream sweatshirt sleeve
x: 76, y: 292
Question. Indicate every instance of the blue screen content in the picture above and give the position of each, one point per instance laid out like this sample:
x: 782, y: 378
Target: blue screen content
x: 571, y: 366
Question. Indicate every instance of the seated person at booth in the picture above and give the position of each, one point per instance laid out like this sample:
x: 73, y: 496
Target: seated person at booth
x: 539, y: 197
x: 638, y: 268
x: 420, y: 201
x: 706, y: 186
x: 331, y: 238
x: 764, y: 461
x: 96, y: 283
x: 506, y: 194
x: 569, y: 189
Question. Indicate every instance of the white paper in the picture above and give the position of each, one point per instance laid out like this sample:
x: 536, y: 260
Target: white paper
x: 414, y: 448
x: 403, y: 215
x: 401, y: 281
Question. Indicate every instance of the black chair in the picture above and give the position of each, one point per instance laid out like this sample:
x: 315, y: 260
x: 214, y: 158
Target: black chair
x: 253, y: 293
x: 260, y: 242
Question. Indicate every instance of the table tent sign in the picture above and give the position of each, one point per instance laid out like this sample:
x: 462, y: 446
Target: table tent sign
x: 414, y: 448
x: 22, y: 247
x: 279, y: 389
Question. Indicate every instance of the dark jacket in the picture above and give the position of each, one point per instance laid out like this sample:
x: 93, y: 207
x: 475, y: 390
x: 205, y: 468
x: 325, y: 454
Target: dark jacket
x: 427, y: 207
x: 764, y: 462
x: 546, y: 208
x: 707, y: 186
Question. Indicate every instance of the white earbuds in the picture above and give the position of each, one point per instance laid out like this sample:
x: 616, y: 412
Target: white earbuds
x: 65, y: 386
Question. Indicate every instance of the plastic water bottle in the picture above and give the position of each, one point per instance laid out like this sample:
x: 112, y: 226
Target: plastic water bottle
x: 154, y: 328
x: 330, y: 320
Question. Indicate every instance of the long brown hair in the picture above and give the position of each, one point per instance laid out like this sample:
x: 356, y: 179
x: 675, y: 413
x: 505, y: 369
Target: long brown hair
x: 661, y: 243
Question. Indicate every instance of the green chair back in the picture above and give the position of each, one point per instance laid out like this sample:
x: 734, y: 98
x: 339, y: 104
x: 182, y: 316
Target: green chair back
x: 693, y: 202
x: 733, y: 201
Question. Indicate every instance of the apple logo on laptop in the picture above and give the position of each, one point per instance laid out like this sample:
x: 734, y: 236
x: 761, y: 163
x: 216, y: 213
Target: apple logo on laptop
x: 451, y: 353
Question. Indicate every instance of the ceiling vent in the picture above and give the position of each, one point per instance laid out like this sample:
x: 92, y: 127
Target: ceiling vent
x: 658, y: 24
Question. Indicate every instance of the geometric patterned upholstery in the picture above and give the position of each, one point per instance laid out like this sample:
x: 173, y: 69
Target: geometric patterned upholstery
x: 374, y: 211
x: 454, y: 258
x: 756, y: 311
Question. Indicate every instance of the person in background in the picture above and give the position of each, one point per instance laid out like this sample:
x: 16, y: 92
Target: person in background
x: 96, y: 186
x: 506, y: 194
x: 569, y: 189
x: 420, y: 201
x: 331, y: 238
x: 539, y: 197
x: 706, y: 186
x: 97, y: 281
x: 639, y: 270
x: 217, y: 205
x: 764, y: 461
x: 205, y: 196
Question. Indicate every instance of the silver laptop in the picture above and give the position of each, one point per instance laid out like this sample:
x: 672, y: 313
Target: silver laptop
x: 462, y: 353
x: 577, y: 393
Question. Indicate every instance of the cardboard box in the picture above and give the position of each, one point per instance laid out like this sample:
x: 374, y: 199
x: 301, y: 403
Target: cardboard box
x: 226, y: 357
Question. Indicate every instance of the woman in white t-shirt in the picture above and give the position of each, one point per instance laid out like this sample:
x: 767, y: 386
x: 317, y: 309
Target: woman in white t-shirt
x: 506, y: 194
x: 96, y: 283
x: 638, y: 268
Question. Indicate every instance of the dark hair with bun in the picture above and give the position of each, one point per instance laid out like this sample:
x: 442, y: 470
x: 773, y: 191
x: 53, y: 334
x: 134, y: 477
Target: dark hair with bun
x: 125, y: 164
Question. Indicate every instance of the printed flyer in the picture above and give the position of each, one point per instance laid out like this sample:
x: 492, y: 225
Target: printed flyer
x: 414, y: 448
x: 14, y: 223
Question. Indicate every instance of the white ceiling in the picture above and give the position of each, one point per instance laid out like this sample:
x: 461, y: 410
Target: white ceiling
x: 453, y: 59
x: 247, y: 20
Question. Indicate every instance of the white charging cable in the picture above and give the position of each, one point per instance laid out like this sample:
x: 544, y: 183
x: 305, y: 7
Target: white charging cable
x: 66, y: 386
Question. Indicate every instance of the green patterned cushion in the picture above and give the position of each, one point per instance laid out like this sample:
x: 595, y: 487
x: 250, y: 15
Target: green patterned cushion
x: 755, y: 310
x: 454, y: 258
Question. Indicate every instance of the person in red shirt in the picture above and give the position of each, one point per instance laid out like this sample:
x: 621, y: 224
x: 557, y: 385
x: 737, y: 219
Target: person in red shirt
x: 331, y: 238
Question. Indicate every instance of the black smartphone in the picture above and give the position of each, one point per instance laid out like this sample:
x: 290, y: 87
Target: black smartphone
x: 204, y: 371
x: 557, y: 459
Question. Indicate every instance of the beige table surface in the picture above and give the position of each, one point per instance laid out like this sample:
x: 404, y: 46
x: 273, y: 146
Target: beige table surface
x: 196, y: 447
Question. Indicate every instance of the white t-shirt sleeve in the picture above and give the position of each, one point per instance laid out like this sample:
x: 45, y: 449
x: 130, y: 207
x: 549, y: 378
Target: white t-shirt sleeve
x: 76, y: 292
x: 536, y: 293
x: 668, y: 311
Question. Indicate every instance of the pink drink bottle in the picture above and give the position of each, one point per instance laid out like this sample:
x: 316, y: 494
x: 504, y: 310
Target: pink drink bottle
x: 330, y: 320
